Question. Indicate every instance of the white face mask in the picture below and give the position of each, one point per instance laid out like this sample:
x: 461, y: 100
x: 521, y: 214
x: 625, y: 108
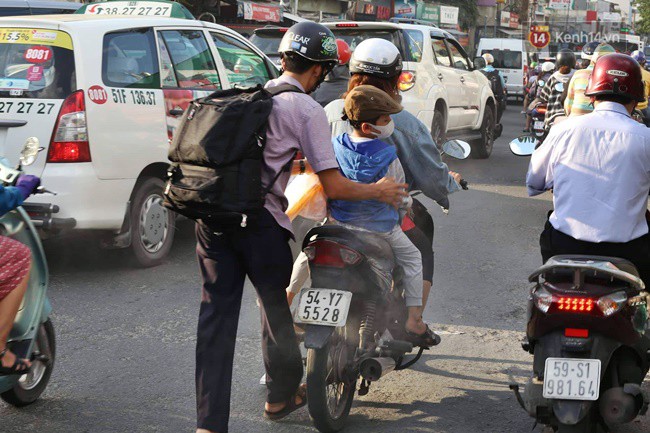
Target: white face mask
x: 385, y: 131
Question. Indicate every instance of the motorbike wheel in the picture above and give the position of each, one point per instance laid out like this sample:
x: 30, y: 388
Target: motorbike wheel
x: 329, y: 397
x: 30, y: 386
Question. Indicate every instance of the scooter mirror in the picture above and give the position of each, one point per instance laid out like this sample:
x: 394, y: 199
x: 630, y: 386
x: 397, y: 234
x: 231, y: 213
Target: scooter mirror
x: 559, y: 87
x: 524, y: 145
x: 30, y: 151
x: 541, y: 83
x: 456, y: 149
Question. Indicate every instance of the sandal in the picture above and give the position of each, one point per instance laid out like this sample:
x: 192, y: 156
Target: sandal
x: 425, y: 340
x: 20, y: 366
x: 290, y: 406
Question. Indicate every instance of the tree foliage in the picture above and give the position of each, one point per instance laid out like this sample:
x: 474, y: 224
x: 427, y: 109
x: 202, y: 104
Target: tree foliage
x: 643, y: 26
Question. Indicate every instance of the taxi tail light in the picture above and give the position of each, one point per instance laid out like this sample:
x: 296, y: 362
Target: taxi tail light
x: 331, y: 254
x: 70, y: 138
x: 347, y: 25
x: 406, y: 81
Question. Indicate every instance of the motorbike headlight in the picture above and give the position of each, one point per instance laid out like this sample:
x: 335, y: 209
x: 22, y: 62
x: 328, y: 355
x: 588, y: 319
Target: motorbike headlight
x: 542, y: 299
x: 610, y: 304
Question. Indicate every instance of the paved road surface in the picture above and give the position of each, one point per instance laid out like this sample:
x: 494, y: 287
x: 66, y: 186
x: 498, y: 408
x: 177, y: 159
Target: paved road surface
x: 126, y: 336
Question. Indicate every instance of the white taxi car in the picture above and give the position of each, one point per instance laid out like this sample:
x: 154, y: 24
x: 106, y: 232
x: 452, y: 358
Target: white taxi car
x: 103, y: 95
x: 439, y: 83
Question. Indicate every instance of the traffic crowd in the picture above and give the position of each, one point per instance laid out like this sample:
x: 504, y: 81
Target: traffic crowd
x: 379, y: 152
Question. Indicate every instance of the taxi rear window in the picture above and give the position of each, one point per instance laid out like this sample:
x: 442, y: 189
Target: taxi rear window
x: 36, y: 63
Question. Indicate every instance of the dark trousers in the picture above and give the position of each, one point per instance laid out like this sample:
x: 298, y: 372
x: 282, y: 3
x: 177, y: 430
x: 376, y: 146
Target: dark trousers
x: 225, y: 259
x: 553, y: 242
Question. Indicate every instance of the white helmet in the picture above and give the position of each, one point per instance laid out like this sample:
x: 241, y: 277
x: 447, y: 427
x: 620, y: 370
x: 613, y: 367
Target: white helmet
x: 548, y: 66
x: 377, y: 57
x: 489, y: 58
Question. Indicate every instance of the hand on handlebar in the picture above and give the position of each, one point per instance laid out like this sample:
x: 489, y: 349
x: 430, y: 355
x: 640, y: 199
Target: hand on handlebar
x: 27, y: 185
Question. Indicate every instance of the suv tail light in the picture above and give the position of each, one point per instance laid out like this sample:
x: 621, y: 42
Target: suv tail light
x: 605, y: 306
x: 332, y: 254
x: 406, y: 81
x: 70, y: 138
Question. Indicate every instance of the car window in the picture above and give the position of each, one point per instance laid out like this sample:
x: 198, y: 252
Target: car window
x: 414, y: 43
x: 43, y: 69
x: 268, y: 43
x: 49, y: 11
x: 505, y: 59
x: 440, y: 51
x: 243, y: 65
x: 457, y: 55
x: 192, y: 62
x: 13, y: 11
x: 129, y: 59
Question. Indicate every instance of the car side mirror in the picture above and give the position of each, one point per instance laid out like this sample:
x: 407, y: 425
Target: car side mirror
x: 479, y: 63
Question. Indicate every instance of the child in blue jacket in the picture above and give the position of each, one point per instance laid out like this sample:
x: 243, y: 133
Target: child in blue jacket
x: 363, y: 157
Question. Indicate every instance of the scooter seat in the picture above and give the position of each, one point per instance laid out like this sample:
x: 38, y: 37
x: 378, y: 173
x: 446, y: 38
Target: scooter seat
x: 367, y: 243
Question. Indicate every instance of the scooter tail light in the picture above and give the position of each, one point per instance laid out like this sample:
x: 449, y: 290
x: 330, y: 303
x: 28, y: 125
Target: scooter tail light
x: 406, y: 81
x: 70, y: 137
x: 576, y: 333
x: 542, y: 299
x: 571, y: 304
x: 610, y: 304
x: 331, y: 254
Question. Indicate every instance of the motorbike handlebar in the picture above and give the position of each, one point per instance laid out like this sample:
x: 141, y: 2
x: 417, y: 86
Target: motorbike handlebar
x: 463, y: 184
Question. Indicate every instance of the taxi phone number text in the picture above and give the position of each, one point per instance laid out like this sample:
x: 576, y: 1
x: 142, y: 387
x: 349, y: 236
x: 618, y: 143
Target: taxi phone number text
x: 133, y: 10
x: 26, y: 107
x: 137, y: 97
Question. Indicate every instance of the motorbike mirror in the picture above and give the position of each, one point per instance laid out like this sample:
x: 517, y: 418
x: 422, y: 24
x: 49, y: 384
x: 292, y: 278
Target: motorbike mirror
x: 456, y: 149
x: 541, y: 83
x: 524, y: 145
x: 559, y: 87
x: 30, y: 151
x: 479, y: 63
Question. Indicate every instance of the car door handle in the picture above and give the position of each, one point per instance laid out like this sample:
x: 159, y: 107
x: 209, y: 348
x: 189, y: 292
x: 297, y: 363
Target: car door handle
x: 440, y: 76
x: 12, y: 123
x: 176, y: 112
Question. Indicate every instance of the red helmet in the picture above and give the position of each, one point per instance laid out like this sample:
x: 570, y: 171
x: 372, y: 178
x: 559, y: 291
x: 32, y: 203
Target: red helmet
x: 616, y: 74
x: 344, y: 51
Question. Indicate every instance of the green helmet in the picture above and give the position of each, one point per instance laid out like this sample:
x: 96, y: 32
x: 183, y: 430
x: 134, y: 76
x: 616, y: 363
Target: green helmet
x: 310, y: 40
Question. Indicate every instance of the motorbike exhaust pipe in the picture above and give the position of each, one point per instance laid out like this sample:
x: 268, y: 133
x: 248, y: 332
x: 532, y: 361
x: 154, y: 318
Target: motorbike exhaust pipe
x: 618, y: 407
x: 373, y: 369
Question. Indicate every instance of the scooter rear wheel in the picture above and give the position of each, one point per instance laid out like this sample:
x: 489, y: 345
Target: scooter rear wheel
x: 329, y: 397
x: 30, y: 386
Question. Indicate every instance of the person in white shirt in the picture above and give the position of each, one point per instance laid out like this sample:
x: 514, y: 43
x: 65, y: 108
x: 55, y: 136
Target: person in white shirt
x: 598, y: 166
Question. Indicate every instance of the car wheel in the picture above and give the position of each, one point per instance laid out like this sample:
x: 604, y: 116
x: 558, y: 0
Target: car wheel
x: 482, y: 147
x: 438, y: 130
x: 152, y: 225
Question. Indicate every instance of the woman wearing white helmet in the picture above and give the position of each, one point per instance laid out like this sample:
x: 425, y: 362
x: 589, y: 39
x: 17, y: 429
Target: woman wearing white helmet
x: 378, y: 63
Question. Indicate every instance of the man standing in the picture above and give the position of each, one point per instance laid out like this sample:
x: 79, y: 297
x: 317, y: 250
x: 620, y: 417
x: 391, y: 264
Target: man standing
x: 261, y: 251
x: 598, y: 166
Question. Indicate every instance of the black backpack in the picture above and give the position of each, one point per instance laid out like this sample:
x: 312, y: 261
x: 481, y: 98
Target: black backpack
x: 216, y: 171
x: 495, y: 83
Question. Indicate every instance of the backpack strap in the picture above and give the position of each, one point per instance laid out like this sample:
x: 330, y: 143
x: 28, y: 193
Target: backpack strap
x: 283, y: 88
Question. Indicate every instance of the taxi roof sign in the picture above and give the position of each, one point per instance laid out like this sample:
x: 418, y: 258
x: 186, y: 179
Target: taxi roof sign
x: 138, y: 8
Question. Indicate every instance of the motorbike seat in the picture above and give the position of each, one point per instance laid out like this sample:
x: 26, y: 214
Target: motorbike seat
x: 372, y: 246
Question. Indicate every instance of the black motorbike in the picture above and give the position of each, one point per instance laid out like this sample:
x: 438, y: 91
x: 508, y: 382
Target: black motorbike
x: 589, y: 333
x: 354, y: 316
